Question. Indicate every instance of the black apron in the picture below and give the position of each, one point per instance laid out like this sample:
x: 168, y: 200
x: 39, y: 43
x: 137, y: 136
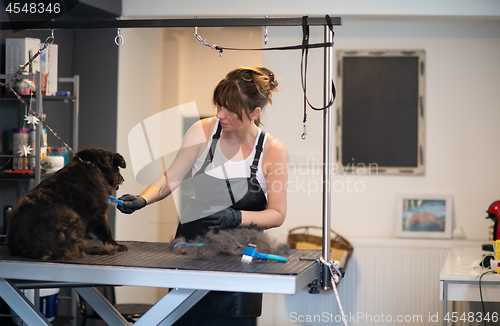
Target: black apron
x: 211, y: 194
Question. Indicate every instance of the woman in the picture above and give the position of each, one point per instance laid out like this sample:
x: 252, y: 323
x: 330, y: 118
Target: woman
x: 239, y: 174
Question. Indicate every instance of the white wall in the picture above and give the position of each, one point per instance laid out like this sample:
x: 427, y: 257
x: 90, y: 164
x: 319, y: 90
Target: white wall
x: 139, y: 97
x: 462, y: 117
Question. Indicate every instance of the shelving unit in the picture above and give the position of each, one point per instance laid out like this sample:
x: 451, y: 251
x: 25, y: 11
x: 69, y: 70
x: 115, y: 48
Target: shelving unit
x: 26, y: 182
x: 75, y: 80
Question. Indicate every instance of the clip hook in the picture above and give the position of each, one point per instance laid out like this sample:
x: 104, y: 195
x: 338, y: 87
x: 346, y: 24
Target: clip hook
x: 304, y: 134
x: 198, y: 37
x: 265, y: 34
x: 118, y: 37
x: 49, y: 40
x: 205, y: 43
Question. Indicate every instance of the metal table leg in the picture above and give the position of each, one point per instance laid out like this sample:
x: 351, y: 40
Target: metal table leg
x: 21, y: 305
x: 74, y: 307
x: 179, y: 301
x: 165, y: 312
x: 102, y: 306
x: 445, y: 302
x: 171, y: 307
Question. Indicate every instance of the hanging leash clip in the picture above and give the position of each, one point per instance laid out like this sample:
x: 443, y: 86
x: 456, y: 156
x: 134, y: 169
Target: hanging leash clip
x: 204, y: 42
x: 265, y: 34
x: 303, y: 69
x: 118, y: 37
x: 48, y: 41
x: 304, y: 134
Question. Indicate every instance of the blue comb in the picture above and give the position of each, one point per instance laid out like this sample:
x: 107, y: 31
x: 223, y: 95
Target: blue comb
x: 113, y: 201
x: 249, y: 253
x: 189, y: 244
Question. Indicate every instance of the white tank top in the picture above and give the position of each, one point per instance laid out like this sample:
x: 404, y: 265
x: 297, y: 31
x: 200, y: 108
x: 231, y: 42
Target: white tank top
x: 232, y: 169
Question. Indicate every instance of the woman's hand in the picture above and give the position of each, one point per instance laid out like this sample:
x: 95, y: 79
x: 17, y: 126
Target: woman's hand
x: 226, y: 218
x: 131, y: 203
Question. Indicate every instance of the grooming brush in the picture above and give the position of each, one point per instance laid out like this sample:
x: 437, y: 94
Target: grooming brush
x: 249, y: 253
x: 190, y: 244
x: 114, y: 201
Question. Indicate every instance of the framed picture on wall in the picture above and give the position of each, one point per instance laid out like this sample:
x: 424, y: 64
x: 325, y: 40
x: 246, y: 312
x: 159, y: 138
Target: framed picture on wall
x: 424, y: 216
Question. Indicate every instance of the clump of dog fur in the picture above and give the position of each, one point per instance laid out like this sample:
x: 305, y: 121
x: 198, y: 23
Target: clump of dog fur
x: 54, y: 220
x: 229, y: 242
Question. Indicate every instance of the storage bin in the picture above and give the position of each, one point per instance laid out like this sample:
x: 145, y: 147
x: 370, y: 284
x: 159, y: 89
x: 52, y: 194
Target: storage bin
x: 49, y: 304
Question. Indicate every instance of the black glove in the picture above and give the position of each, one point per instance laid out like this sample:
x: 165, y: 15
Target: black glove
x: 131, y: 203
x: 226, y: 218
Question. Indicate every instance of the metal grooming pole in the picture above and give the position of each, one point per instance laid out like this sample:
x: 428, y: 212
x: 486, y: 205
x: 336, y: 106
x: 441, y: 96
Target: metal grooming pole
x: 38, y: 128
x: 327, y: 152
x: 241, y: 22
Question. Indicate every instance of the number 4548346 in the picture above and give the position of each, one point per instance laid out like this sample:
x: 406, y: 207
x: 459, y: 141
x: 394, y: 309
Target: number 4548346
x: 33, y: 8
x: 471, y: 317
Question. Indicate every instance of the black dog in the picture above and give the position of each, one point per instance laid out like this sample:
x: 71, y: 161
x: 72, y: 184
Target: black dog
x: 53, y: 220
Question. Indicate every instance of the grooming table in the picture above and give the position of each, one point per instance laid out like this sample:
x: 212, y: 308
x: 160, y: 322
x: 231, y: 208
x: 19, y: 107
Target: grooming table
x: 152, y: 264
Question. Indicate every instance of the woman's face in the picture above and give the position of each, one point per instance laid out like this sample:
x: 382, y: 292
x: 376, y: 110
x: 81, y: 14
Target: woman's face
x: 230, y: 121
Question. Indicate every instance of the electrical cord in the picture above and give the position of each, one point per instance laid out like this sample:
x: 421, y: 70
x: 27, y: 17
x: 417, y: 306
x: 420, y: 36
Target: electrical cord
x: 481, y: 294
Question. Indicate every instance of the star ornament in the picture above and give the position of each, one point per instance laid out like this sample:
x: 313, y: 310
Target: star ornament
x: 31, y: 119
x: 25, y: 151
x: 30, y: 85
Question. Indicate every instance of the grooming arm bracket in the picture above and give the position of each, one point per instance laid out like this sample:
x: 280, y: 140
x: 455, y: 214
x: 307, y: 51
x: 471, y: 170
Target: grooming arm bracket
x: 332, y: 270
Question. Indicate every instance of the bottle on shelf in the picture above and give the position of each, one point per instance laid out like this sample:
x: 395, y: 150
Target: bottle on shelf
x: 43, y: 146
x: 20, y: 139
x: 32, y: 144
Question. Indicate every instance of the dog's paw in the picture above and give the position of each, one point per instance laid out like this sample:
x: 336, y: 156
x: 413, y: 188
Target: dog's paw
x: 122, y: 248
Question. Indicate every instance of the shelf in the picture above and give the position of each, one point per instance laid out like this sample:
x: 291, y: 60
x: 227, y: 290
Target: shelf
x: 12, y: 176
x: 23, y: 176
x: 12, y: 97
x: 59, y: 98
x: 12, y: 155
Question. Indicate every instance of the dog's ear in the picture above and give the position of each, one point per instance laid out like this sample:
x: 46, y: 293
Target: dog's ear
x: 118, y: 160
x: 84, y: 154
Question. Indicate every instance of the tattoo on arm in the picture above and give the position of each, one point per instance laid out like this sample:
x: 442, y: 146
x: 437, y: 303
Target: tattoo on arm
x: 254, y: 226
x: 164, y: 191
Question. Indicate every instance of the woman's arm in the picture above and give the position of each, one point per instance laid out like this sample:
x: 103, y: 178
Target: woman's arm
x: 275, y: 168
x: 157, y: 190
x: 192, y: 145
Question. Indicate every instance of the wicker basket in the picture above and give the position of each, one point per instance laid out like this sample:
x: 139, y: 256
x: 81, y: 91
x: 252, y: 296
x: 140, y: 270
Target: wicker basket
x: 300, y: 238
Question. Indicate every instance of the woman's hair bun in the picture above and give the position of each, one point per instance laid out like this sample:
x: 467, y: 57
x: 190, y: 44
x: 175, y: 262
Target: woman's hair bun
x: 245, y: 89
x: 265, y: 81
